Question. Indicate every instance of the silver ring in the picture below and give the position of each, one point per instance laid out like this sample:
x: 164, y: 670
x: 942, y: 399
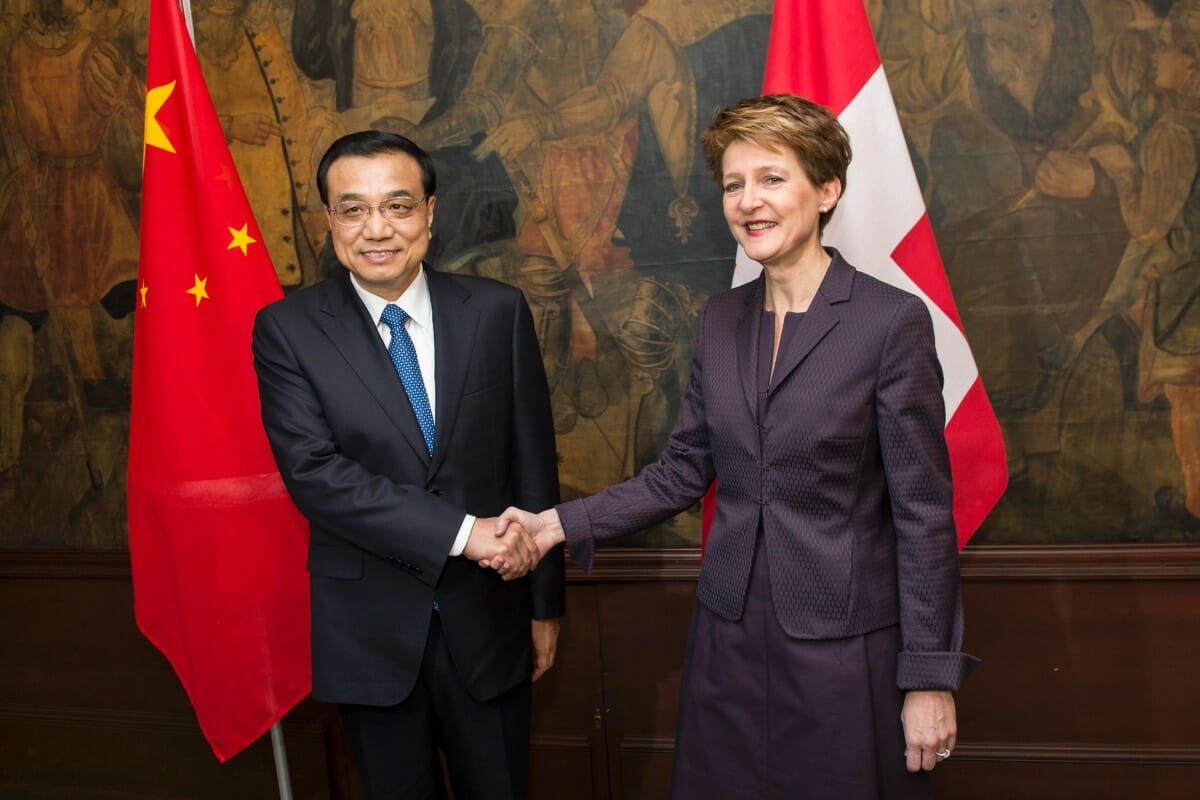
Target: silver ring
x: 942, y: 754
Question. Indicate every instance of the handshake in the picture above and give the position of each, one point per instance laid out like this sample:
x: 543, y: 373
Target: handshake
x: 514, y: 542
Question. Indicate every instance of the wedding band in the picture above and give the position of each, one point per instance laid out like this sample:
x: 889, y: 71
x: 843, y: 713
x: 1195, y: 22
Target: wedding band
x: 942, y: 754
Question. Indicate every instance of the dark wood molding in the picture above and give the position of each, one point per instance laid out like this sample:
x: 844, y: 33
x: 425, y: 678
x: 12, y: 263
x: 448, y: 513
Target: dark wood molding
x: 1176, y: 561
x: 1037, y: 752
x: 93, y: 564
x: 125, y: 719
x: 982, y: 563
x: 541, y: 741
x: 648, y: 744
x: 1082, y: 562
x: 99, y: 717
x: 1047, y: 752
x: 640, y: 564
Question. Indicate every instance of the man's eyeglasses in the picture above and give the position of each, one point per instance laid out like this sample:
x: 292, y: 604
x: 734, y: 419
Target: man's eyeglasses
x: 352, y: 213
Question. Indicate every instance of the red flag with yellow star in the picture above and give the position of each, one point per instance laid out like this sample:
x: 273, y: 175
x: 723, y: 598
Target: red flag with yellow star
x: 218, y: 550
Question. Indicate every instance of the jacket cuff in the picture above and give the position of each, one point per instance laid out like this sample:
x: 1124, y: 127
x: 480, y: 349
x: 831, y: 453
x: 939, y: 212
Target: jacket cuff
x: 577, y: 528
x: 933, y: 671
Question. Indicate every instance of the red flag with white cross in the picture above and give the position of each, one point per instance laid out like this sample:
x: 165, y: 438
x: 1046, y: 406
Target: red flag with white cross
x: 824, y: 50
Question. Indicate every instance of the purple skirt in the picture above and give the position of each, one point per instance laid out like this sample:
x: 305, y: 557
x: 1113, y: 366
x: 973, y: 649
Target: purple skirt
x: 764, y: 716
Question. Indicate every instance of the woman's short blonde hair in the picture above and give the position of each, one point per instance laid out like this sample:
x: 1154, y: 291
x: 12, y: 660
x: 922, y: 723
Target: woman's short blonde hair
x: 774, y: 121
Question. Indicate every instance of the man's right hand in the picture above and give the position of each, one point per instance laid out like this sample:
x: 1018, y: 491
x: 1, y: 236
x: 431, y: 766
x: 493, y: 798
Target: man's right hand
x: 510, y: 550
x: 545, y: 528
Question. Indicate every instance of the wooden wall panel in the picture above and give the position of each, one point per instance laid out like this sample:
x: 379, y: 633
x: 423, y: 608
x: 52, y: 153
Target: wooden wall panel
x: 89, y: 709
x: 66, y: 753
x: 1105, y: 662
x: 567, y: 758
x: 643, y: 630
x: 1087, y: 689
x: 1068, y: 780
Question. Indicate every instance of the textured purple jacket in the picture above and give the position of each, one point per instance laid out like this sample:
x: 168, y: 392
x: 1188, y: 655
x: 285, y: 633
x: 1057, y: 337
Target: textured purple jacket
x: 845, y: 471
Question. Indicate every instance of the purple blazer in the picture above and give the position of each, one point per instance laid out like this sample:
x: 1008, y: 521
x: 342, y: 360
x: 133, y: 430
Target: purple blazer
x: 845, y: 471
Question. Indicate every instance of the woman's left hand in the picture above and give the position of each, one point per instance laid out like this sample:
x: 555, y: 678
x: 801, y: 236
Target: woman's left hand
x: 930, y: 728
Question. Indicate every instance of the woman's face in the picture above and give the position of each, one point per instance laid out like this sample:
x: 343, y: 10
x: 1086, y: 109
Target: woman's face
x: 772, y: 207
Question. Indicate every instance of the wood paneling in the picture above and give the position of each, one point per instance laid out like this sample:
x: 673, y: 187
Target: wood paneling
x: 643, y: 631
x: 567, y: 758
x: 1087, y: 688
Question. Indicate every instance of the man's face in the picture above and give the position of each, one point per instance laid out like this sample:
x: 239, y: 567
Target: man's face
x: 384, y: 254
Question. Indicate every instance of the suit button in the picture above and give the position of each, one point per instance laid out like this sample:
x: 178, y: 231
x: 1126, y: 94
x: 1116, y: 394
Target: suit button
x: 436, y: 492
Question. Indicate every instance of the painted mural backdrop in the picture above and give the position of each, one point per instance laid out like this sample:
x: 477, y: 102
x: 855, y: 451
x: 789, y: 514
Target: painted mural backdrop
x: 1058, y: 144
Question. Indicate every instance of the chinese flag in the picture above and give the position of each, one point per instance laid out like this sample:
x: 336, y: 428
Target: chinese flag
x: 218, y: 549
x: 824, y: 50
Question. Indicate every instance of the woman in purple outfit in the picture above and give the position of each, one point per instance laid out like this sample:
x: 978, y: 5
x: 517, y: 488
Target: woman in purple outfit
x: 826, y: 641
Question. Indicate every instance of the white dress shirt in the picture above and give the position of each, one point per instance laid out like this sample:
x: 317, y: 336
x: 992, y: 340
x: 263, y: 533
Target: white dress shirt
x: 415, y: 302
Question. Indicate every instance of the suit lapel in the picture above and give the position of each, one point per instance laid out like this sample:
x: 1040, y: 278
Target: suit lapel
x: 344, y: 320
x: 822, y: 316
x: 746, y: 343
x: 454, y: 325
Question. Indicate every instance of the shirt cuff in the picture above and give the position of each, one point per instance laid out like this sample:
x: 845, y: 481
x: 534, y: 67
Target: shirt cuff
x: 464, y: 533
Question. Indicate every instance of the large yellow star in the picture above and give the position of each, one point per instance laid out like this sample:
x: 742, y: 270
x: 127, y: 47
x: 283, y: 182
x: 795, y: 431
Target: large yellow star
x: 241, y: 239
x: 200, y: 290
x: 154, y: 135
x: 144, y: 290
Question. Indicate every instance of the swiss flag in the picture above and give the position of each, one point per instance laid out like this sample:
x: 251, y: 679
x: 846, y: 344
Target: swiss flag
x: 824, y: 50
x: 217, y: 547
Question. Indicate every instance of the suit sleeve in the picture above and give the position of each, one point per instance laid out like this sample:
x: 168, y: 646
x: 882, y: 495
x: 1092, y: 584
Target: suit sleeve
x: 660, y: 491
x: 911, y: 414
x: 535, y: 459
x: 333, y: 491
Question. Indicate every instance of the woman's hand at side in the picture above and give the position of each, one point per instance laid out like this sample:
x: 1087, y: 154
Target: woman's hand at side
x: 930, y: 728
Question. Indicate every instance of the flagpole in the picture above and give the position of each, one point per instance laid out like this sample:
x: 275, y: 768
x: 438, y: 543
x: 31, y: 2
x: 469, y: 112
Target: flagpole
x: 186, y: 7
x: 281, y: 762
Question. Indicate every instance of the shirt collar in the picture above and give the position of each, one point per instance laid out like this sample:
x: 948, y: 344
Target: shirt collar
x: 415, y: 300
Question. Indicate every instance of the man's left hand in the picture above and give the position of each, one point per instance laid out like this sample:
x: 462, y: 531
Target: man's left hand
x: 545, y: 645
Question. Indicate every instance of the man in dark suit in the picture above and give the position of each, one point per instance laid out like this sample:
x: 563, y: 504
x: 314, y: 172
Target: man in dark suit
x: 406, y: 407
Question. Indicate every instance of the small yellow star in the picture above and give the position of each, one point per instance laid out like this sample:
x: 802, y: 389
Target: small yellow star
x: 154, y: 135
x: 241, y: 239
x: 200, y: 290
x: 143, y: 292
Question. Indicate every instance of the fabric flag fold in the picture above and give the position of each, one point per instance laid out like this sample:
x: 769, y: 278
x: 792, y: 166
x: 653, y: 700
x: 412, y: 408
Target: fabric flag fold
x: 217, y: 547
x: 824, y: 50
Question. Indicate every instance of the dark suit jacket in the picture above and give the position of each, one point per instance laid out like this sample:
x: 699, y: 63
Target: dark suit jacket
x: 383, y: 515
x: 846, y: 472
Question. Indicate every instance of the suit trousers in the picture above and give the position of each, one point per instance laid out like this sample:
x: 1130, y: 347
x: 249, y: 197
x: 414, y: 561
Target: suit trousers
x: 485, y: 744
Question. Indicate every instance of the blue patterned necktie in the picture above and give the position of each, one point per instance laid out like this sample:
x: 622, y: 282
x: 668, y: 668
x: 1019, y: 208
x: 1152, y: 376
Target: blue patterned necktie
x: 404, y: 356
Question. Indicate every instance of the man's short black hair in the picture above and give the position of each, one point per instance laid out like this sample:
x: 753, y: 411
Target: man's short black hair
x: 374, y: 143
